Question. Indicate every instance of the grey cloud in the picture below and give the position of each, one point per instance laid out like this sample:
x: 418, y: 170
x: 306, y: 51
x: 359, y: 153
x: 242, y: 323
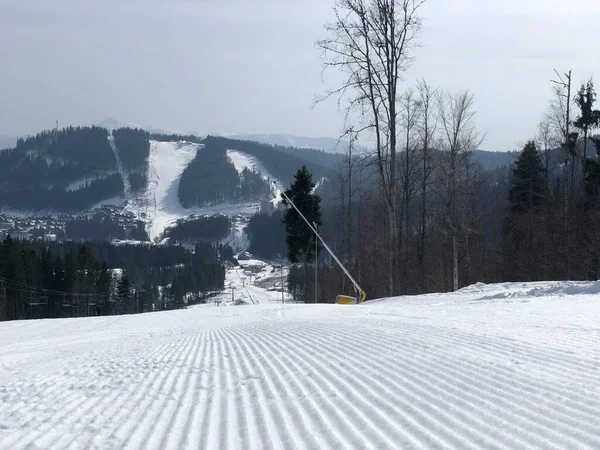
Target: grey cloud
x: 251, y: 66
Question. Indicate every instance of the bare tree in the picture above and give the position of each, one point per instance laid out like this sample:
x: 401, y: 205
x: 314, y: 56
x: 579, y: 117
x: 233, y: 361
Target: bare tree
x: 560, y: 108
x: 409, y: 113
x: 427, y: 129
x: 460, y: 137
x: 371, y: 42
x: 546, y: 139
x: 561, y: 114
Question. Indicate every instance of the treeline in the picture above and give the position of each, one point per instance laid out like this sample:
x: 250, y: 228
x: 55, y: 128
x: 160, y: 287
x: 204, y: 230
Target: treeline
x: 267, y: 235
x: 145, y: 264
x: 200, y: 229
x: 57, y: 158
x: 66, y: 279
x: 164, y: 137
x: 102, y: 227
x: 211, y: 177
x: 134, y: 150
x: 40, y: 284
x: 57, y: 198
x: 458, y: 224
x: 37, y: 173
x: 134, y: 147
x: 279, y: 161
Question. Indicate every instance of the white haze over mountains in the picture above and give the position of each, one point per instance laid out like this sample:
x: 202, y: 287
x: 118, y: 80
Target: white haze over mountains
x: 328, y: 144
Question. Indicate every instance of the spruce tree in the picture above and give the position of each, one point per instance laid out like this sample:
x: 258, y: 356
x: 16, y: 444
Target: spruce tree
x: 528, y: 187
x: 589, y: 118
x: 123, y: 290
x: 522, y: 235
x: 299, y: 237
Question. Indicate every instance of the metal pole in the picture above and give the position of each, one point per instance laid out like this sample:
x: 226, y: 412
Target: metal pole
x: 282, y: 288
x: 316, y: 262
x: 358, y: 288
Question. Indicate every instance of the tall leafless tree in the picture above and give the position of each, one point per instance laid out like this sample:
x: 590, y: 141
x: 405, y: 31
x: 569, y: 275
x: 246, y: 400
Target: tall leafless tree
x: 560, y: 107
x: 460, y: 137
x: 371, y: 41
x: 409, y: 113
x: 427, y: 130
x: 547, y: 140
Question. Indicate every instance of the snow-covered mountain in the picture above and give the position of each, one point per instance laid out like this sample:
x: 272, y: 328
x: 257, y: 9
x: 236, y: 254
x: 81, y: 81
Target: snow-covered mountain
x: 330, y: 145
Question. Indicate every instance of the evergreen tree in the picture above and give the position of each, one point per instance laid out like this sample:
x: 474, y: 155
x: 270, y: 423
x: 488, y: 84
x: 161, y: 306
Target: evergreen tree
x: 528, y: 187
x: 523, y: 237
x: 589, y: 118
x: 300, y: 239
x: 123, y: 289
x: 104, y: 280
x: 267, y: 235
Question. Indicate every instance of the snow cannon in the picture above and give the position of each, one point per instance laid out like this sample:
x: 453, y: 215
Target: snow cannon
x: 340, y: 299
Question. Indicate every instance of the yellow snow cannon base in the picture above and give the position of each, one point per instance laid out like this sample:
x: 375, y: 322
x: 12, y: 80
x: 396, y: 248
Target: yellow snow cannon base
x: 349, y: 300
x: 346, y: 300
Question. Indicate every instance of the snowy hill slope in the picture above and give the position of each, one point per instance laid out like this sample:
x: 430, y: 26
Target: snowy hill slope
x: 503, y: 366
x: 167, y: 162
x: 243, y: 160
x: 162, y: 207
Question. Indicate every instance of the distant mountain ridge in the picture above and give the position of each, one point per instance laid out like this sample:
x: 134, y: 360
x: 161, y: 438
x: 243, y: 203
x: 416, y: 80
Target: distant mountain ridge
x: 329, y: 145
x: 489, y: 160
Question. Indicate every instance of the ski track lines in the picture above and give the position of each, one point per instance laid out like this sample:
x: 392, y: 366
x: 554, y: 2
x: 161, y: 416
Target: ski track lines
x: 352, y: 381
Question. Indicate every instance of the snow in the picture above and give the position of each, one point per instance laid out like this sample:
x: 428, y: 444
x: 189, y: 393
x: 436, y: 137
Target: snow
x: 163, y: 209
x: 251, y: 289
x: 167, y: 162
x: 113, y: 201
x: 78, y: 184
x: 243, y: 160
x: 492, y: 366
x: 120, y: 168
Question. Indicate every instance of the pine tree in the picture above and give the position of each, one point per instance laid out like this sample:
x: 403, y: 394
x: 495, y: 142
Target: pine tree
x: 124, y: 290
x: 300, y: 239
x: 528, y: 187
x: 522, y: 239
x: 589, y: 118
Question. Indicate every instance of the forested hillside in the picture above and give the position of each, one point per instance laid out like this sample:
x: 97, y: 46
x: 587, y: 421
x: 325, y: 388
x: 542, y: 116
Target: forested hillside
x: 282, y: 163
x: 64, y: 280
x: 212, y: 178
x: 64, y: 170
x: 134, y: 148
x: 199, y: 229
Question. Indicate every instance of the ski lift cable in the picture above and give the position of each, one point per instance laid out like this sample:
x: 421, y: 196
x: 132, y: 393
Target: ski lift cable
x: 30, y: 288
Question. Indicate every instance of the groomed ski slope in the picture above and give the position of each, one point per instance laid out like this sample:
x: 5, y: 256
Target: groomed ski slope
x: 500, y: 366
x: 162, y: 208
x: 166, y: 164
x: 243, y: 160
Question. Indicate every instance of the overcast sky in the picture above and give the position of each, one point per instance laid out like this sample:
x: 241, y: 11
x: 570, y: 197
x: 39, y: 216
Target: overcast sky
x: 250, y: 66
